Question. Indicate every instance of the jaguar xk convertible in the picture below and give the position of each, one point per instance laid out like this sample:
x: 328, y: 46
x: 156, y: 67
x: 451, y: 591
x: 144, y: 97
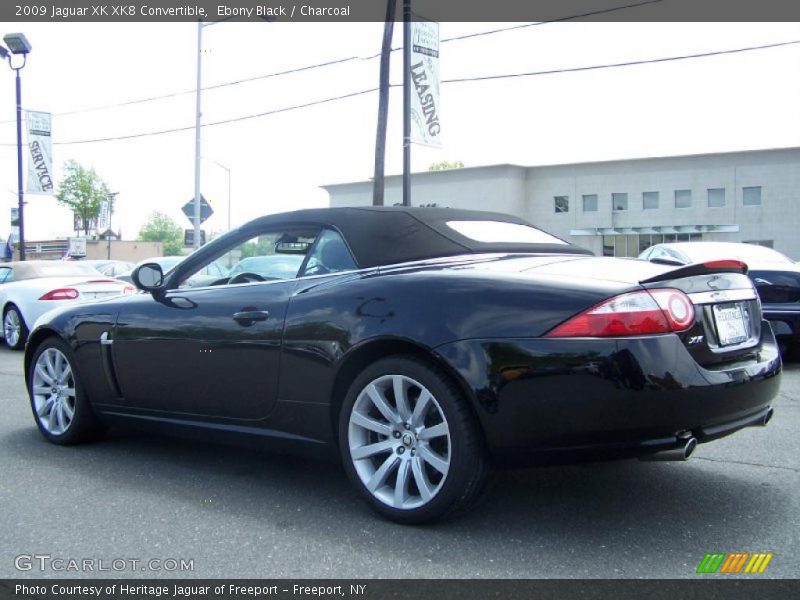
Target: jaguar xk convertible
x: 421, y: 346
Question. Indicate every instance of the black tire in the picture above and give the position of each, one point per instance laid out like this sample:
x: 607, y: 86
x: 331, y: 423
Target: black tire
x: 23, y: 329
x: 83, y: 425
x: 468, y: 468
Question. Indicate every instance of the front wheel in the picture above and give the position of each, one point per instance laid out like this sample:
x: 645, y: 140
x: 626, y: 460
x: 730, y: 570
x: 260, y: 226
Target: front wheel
x: 15, y: 333
x: 410, y: 443
x: 60, y: 407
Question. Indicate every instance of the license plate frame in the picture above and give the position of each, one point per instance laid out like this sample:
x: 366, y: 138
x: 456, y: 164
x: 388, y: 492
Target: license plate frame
x: 731, y: 322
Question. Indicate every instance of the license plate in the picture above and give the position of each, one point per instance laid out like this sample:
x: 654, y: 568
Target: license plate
x: 731, y: 324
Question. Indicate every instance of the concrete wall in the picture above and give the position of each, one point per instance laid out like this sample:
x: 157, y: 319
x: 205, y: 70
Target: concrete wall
x: 777, y: 172
x: 124, y: 250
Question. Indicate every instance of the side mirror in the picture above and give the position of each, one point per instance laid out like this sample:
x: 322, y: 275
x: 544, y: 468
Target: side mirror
x: 148, y: 277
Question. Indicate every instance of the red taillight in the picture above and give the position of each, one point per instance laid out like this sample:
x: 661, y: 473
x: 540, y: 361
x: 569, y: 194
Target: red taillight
x: 636, y: 313
x: 726, y: 264
x: 61, y: 294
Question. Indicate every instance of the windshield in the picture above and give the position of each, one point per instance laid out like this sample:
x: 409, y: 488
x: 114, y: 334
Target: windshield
x: 702, y: 251
x: 64, y: 269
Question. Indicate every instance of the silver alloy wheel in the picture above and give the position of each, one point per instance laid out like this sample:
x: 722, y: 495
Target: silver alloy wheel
x: 12, y: 328
x: 54, y: 391
x: 399, y: 441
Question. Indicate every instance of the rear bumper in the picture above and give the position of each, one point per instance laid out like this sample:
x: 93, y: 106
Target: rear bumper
x: 545, y: 399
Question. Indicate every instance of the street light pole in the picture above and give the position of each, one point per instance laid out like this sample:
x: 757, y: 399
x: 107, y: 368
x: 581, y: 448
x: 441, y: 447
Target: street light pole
x: 20, y: 187
x: 18, y: 45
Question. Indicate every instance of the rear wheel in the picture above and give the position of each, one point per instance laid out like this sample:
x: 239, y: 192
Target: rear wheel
x: 60, y: 407
x: 410, y: 443
x: 15, y: 333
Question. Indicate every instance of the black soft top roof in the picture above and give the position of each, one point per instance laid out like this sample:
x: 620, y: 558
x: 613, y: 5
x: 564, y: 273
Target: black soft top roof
x: 384, y: 235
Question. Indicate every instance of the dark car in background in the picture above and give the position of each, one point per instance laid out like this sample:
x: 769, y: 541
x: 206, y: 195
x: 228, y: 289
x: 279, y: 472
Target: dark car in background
x: 775, y: 276
x: 419, y: 346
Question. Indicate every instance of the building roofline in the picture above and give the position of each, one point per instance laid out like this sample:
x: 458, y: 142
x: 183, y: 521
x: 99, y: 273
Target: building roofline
x: 666, y: 157
x: 574, y: 164
x: 426, y: 173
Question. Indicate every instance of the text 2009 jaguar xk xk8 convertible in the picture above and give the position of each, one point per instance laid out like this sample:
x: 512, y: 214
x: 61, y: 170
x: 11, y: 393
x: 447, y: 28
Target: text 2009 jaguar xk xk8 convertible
x: 418, y: 345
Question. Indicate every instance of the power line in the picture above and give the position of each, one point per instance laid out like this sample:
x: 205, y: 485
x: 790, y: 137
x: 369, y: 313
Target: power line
x: 622, y: 64
x: 445, y: 81
x: 339, y: 61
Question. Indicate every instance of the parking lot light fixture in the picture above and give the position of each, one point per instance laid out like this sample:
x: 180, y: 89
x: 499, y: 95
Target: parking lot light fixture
x: 18, y: 45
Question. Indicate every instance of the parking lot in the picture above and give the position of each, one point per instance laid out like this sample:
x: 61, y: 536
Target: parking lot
x: 239, y: 513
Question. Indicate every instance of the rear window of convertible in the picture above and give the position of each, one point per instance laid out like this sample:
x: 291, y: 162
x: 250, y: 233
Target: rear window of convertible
x: 499, y: 232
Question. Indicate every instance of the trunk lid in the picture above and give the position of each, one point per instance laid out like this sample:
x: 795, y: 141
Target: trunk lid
x: 728, y: 315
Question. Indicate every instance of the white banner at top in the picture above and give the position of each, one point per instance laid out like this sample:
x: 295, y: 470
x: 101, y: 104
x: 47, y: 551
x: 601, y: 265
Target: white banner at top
x: 425, y: 126
x: 40, y: 153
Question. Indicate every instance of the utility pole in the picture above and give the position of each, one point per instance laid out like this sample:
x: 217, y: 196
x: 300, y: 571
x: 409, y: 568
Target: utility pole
x: 379, y: 185
x: 197, y: 125
x: 406, y: 102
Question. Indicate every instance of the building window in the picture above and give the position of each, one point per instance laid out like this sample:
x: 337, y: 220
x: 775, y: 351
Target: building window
x: 751, y: 196
x: 765, y: 243
x: 561, y: 204
x: 716, y: 197
x: 619, y: 201
x: 590, y: 203
x: 650, y: 200
x: 683, y: 198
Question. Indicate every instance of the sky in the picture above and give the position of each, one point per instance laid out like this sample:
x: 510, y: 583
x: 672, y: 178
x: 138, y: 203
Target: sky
x: 278, y: 162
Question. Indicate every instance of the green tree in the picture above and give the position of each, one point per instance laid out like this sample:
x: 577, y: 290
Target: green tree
x: 162, y: 228
x: 82, y: 191
x: 446, y: 165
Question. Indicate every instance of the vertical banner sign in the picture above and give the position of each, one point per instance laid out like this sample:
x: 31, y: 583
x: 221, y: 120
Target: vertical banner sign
x: 425, y: 126
x: 40, y: 153
x: 104, y: 218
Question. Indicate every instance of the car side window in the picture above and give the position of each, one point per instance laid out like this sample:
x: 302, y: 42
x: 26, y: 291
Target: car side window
x: 330, y: 255
x: 271, y: 256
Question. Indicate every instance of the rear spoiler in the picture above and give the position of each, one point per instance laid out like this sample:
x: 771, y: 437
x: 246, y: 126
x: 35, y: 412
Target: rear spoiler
x: 706, y: 268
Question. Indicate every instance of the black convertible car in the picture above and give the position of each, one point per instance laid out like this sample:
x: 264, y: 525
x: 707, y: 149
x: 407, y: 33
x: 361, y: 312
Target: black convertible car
x: 419, y: 345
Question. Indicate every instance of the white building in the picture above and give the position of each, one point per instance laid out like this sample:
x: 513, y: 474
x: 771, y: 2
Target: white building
x: 621, y: 207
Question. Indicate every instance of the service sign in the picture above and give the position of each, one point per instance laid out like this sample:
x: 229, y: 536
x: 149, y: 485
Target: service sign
x: 40, y: 153
x: 77, y: 246
x: 425, y: 126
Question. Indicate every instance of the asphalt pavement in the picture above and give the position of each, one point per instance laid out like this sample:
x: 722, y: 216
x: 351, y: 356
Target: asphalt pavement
x: 240, y: 513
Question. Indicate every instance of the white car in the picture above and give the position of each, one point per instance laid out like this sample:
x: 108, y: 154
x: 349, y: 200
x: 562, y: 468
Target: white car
x: 775, y: 277
x: 29, y: 289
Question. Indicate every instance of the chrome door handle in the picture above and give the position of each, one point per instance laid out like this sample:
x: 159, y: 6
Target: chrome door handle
x: 251, y: 316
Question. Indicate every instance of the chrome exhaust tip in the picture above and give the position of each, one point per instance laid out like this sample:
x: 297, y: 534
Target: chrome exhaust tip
x: 767, y: 417
x: 681, y: 453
